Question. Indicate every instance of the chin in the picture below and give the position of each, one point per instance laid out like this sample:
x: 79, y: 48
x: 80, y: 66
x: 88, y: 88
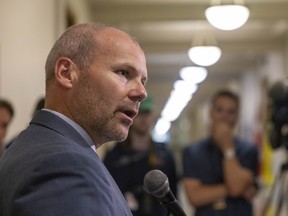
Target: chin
x: 121, y: 138
x: 121, y: 134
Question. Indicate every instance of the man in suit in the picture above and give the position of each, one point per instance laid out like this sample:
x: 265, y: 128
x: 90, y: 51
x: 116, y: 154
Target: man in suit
x: 95, y: 81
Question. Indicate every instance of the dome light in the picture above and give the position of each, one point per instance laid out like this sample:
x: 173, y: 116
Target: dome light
x: 204, y: 55
x: 227, y: 17
x: 193, y: 74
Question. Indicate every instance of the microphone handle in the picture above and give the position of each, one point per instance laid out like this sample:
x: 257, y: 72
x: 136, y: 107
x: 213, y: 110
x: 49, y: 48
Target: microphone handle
x: 174, y: 208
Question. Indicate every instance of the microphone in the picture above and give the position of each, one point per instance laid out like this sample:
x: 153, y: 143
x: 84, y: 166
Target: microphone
x: 156, y: 183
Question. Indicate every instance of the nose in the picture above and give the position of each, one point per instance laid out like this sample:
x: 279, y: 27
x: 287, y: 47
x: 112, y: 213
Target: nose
x: 142, y: 95
x: 138, y: 93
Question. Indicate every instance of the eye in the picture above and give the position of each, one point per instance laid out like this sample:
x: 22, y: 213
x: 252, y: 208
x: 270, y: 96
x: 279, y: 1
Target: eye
x: 219, y: 110
x: 144, y: 81
x: 123, y: 73
x: 232, y: 112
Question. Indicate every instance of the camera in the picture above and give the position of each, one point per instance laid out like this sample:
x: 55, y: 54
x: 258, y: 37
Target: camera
x: 278, y: 95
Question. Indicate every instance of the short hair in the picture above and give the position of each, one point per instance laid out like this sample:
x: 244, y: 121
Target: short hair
x: 8, y: 106
x: 226, y: 93
x: 77, y: 43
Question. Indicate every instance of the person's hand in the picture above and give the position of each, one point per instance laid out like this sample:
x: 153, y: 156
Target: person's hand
x: 222, y: 134
x: 250, y: 193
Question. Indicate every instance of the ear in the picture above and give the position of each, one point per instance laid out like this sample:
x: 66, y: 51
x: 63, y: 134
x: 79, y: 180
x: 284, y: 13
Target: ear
x: 66, y: 72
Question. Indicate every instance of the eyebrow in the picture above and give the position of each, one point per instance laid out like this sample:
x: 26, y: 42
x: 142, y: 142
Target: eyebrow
x: 129, y: 67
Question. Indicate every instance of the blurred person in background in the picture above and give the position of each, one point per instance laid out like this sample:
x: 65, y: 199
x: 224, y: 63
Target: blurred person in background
x: 6, y: 115
x: 129, y: 161
x: 219, y: 172
x: 39, y: 105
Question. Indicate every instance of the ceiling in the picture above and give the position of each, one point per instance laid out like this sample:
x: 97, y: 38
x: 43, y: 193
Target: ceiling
x: 166, y: 28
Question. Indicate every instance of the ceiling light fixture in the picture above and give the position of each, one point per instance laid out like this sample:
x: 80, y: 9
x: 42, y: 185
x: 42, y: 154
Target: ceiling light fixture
x: 227, y: 16
x: 204, y: 51
x: 193, y: 74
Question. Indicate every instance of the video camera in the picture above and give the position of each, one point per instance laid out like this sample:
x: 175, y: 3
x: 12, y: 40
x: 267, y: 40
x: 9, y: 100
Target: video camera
x: 278, y: 95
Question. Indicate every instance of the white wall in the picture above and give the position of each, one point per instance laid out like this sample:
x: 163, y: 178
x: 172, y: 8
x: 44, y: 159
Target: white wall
x: 28, y: 30
x: 27, y: 33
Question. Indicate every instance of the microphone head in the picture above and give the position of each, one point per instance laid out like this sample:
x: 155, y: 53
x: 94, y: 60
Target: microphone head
x: 156, y: 183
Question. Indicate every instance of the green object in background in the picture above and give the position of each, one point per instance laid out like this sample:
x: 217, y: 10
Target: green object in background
x: 147, y: 104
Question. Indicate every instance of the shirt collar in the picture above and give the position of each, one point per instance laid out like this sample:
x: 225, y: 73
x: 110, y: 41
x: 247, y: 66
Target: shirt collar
x: 76, y: 126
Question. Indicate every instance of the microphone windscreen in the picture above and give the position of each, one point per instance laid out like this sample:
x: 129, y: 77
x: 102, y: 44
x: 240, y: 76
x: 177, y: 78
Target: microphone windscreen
x: 156, y: 183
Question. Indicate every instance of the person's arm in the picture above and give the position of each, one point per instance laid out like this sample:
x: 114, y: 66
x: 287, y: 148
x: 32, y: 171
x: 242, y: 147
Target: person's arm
x: 250, y: 192
x: 200, y: 194
x: 245, y: 174
x: 237, y: 178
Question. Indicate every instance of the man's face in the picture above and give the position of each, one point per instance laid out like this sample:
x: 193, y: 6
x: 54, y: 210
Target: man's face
x: 5, y: 119
x: 224, y: 110
x: 108, y: 94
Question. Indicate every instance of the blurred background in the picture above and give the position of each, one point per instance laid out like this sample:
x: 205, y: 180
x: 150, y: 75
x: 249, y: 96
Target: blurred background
x: 253, y: 57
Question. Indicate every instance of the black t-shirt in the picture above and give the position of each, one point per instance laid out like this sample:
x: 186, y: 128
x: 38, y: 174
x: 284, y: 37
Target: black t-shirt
x: 203, y: 161
x: 128, y: 168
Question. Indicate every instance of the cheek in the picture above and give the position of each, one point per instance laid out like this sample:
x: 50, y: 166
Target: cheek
x: 107, y: 84
x: 2, y: 132
x: 215, y: 117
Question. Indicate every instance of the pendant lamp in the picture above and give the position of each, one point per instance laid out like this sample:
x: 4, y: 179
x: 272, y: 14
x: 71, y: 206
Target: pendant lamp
x: 227, y: 15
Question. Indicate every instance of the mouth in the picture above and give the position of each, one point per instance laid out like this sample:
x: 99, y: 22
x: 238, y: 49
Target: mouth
x: 130, y: 113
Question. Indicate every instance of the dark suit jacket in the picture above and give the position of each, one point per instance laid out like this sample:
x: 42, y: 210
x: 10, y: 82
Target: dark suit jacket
x: 50, y: 170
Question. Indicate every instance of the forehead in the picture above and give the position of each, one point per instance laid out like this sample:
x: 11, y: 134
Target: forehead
x: 118, y: 47
x: 110, y: 38
x: 225, y: 101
